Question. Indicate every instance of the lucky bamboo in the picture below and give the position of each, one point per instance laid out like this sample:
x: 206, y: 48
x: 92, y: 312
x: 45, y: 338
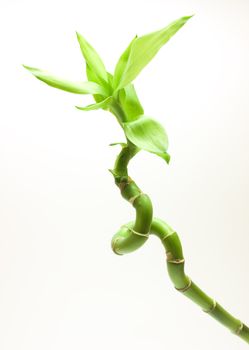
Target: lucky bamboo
x: 116, y: 94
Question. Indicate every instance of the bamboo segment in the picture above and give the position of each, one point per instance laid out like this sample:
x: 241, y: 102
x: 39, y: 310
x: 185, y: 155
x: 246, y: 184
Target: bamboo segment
x: 127, y: 240
x: 132, y: 236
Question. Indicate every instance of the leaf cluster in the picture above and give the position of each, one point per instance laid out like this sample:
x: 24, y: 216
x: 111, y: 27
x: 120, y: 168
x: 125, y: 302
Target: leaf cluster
x: 116, y: 92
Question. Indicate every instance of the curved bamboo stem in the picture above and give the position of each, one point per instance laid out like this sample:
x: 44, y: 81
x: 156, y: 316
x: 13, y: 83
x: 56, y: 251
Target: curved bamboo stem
x: 134, y: 234
x: 183, y: 283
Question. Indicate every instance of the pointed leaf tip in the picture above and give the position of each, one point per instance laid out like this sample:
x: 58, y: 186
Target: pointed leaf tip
x: 103, y: 104
x: 87, y: 87
x: 92, y: 59
x: 142, y: 50
x: 165, y: 156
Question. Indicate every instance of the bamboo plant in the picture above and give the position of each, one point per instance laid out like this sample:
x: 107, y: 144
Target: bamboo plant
x: 116, y: 93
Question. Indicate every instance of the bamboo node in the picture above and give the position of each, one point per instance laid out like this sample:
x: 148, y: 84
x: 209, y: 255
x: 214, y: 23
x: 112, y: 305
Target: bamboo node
x: 137, y: 233
x: 239, y: 329
x: 122, y: 185
x: 114, y: 242
x: 132, y: 199
x: 170, y: 259
x: 212, y: 307
x: 169, y: 234
x: 176, y: 261
x: 184, y: 289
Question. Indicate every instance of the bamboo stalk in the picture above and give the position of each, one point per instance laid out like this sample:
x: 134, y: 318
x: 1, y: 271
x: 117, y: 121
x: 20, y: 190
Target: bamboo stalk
x: 183, y: 283
x: 134, y: 234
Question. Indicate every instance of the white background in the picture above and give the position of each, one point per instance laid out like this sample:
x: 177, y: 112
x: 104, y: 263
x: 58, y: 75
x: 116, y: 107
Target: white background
x: 61, y: 287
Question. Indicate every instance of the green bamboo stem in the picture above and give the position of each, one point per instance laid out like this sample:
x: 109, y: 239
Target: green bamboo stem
x: 134, y: 234
x: 183, y: 283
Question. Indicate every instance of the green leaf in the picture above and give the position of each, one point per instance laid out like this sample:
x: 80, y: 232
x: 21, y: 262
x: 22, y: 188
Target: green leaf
x: 130, y: 102
x: 66, y: 85
x: 144, y: 48
x: 103, y: 104
x: 120, y: 66
x: 93, y: 60
x: 91, y: 76
x: 149, y: 135
x: 110, y: 79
